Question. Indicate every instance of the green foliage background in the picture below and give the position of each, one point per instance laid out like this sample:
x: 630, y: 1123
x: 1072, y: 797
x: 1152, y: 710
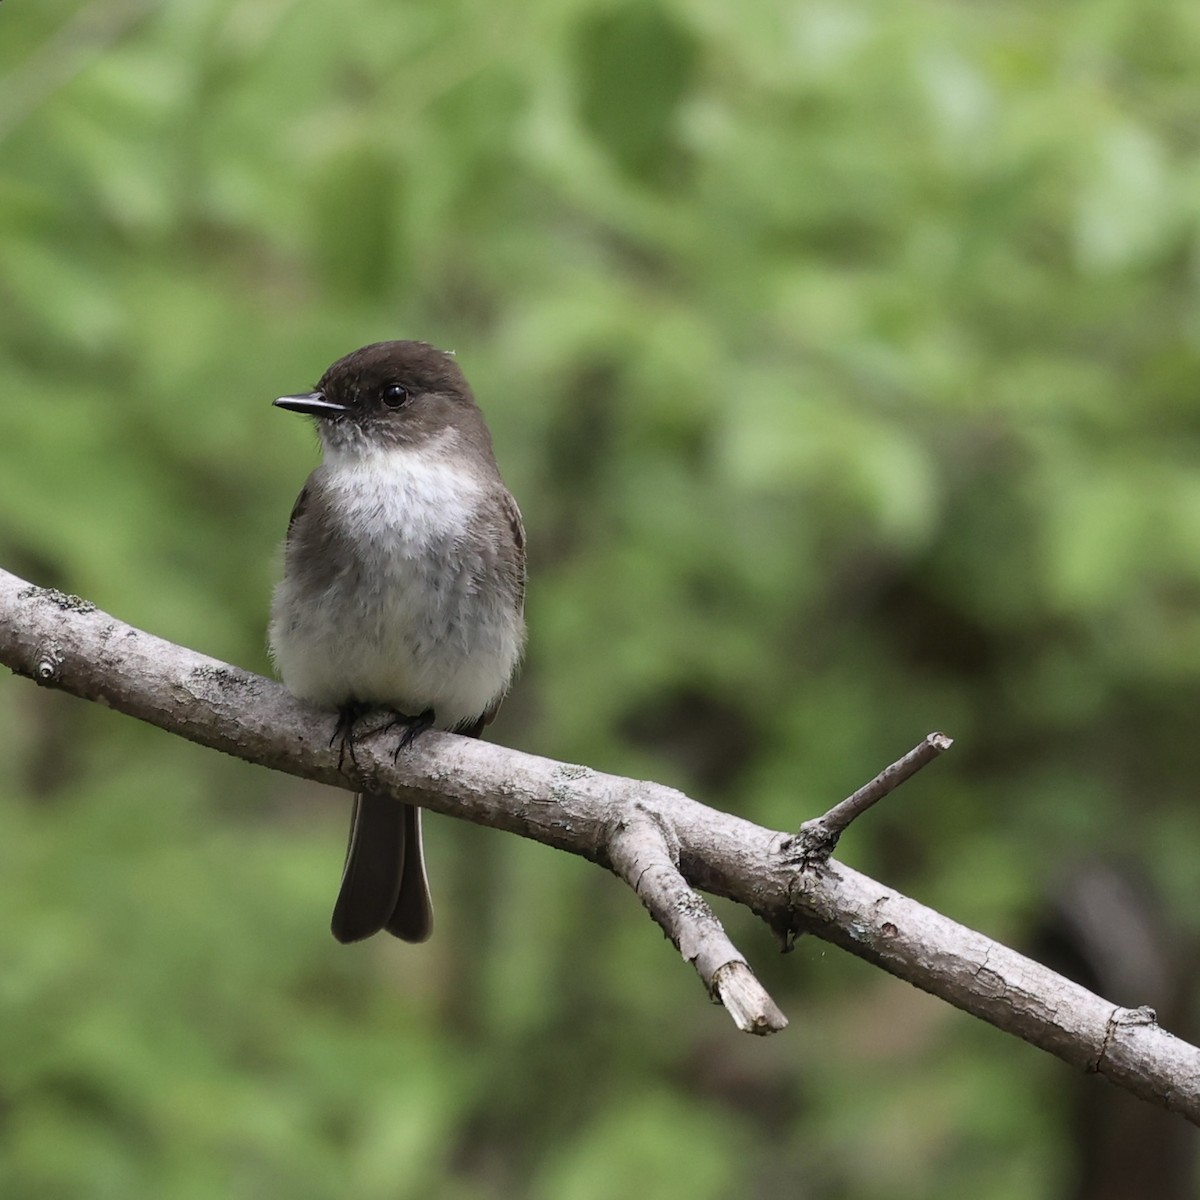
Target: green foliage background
x: 843, y: 357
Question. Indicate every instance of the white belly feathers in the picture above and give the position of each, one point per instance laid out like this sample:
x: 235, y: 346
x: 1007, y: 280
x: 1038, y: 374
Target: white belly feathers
x: 403, y: 622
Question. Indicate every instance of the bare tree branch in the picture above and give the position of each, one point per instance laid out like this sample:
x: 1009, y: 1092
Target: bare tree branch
x: 818, y: 838
x: 640, y: 853
x: 657, y: 839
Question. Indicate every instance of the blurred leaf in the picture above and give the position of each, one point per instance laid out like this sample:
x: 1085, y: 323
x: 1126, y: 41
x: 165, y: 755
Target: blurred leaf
x: 636, y: 65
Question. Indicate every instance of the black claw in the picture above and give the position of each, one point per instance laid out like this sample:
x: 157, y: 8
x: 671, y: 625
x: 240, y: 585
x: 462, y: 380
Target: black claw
x: 350, y: 714
x: 343, y: 732
x: 413, y: 728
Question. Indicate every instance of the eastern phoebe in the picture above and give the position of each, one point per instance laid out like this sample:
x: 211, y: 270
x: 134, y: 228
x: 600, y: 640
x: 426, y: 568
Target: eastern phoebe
x: 403, y: 589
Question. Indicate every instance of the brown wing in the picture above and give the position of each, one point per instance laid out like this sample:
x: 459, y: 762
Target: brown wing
x: 513, y: 515
x: 298, y: 507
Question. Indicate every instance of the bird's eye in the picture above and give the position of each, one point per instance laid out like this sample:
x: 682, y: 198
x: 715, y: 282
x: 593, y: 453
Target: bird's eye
x: 395, y: 394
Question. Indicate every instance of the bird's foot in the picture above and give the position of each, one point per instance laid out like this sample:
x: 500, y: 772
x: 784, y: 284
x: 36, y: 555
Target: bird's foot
x: 343, y: 732
x: 349, y: 715
x: 413, y: 728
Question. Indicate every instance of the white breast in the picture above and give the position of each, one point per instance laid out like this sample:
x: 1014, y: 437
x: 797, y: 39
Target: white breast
x: 401, y: 496
x: 413, y: 620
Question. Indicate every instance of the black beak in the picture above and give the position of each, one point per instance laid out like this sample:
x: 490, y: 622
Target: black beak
x: 312, y: 403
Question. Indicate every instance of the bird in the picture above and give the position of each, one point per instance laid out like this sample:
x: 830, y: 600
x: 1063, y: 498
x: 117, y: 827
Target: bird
x: 403, y: 590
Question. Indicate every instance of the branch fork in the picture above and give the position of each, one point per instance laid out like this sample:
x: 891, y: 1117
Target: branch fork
x: 817, y: 839
x: 645, y: 854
